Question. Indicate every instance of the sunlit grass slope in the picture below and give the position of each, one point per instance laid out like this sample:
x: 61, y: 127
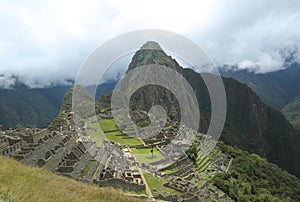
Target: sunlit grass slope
x: 22, y: 183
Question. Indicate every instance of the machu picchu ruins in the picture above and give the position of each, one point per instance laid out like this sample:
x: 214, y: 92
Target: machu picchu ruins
x: 118, y: 161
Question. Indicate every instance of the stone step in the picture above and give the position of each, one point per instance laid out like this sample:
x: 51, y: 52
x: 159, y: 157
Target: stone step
x: 57, y: 158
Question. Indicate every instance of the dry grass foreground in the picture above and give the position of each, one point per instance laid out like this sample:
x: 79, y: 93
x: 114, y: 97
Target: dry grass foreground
x: 22, y: 183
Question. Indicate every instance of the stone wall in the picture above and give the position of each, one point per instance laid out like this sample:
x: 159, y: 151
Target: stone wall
x: 57, y: 158
x: 121, y: 184
x: 40, y: 151
x: 34, y: 138
x: 10, y: 145
x: 80, y: 165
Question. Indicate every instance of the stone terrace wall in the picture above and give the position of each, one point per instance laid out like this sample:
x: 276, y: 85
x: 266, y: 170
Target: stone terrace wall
x: 40, y: 151
x: 120, y: 183
x: 81, y: 164
x: 57, y: 158
x: 34, y: 138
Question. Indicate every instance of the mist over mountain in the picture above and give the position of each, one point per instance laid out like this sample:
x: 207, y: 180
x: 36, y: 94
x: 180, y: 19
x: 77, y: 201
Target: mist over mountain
x: 275, y: 88
x: 21, y: 106
x: 24, y: 107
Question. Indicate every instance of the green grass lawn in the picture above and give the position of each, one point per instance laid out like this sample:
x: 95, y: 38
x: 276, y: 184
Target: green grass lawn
x: 156, y: 183
x: 6, y: 196
x: 85, y: 171
x: 142, y: 192
x: 113, y: 134
x: 108, y: 125
x: 145, y: 156
x: 168, y: 171
x: 122, y: 139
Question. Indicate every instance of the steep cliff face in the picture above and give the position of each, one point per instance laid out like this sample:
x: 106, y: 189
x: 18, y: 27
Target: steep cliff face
x: 276, y: 89
x: 250, y: 124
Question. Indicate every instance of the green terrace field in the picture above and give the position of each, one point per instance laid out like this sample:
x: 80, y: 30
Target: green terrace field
x: 156, y: 185
x: 145, y: 155
x: 172, y: 170
x: 109, y: 131
x: 114, y: 134
x: 108, y: 125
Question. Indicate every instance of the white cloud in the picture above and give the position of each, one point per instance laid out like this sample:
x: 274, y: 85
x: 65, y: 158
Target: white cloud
x: 46, y: 41
x: 256, y: 33
x: 7, y: 81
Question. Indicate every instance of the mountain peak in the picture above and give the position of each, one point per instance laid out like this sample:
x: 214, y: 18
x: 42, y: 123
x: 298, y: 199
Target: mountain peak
x: 151, y: 45
x: 152, y: 53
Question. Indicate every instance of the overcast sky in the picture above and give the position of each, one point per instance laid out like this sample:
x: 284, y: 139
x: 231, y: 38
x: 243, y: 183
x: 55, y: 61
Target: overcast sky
x: 46, y: 41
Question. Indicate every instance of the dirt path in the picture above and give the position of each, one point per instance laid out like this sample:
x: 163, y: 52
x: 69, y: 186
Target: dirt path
x: 148, y: 190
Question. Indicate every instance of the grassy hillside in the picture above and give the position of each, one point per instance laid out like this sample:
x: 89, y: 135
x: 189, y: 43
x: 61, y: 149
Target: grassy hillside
x: 292, y: 113
x: 21, y: 183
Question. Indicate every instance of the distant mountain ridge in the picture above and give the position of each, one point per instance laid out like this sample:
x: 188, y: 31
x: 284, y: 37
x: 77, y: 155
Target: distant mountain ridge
x: 25, y: 107
x: 276, y: 89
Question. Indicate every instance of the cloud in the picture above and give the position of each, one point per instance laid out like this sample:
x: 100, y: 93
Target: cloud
x: 7, y: 81
x: 46, y: 42
x: 256, y: 36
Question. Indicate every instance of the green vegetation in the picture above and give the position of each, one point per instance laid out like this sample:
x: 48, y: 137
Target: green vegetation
x: 156, y: 185
x: 145, y: 156
x: 276, y: 89
x: 85, y: 171
x: 252, y: 178
x: 172, y: 170
x: 152, y: 56
x: 35, y: 184
x: 93, y: 130
x: 200, y: 160
x: 113, y: 134
x: 6, y: 196
x: 203, y: 164
x: 142, y: 192
x: 108, y: 125
x: 122, y: 139
x: 292, y: 113
x: 24, y: 107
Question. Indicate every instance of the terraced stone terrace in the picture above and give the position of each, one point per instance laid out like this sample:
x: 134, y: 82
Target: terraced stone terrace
x: 108, y: 157
x: 175, y: 180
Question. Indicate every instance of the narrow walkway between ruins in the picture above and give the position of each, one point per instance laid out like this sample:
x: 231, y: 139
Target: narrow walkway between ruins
x: 148, y: 190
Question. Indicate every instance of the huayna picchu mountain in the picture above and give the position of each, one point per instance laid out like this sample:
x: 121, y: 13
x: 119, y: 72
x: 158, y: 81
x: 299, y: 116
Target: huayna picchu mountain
x: 250, y: 124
